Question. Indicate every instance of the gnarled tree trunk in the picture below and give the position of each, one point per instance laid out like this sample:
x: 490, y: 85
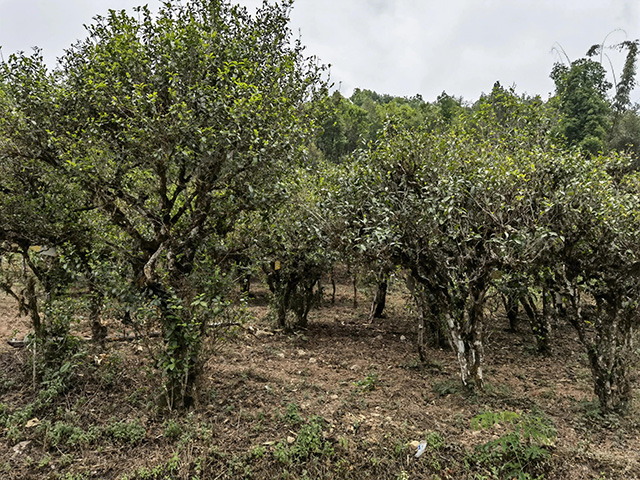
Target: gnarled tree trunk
x: 609, y: 346
x: 465, y: 331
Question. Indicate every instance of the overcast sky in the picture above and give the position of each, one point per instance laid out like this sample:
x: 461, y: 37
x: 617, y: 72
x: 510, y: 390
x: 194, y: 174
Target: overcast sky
x: 400, y: 47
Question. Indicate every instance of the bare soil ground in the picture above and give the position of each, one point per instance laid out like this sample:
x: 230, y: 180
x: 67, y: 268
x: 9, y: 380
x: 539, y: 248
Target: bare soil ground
x: 12, y: 325
x: 262, y: 390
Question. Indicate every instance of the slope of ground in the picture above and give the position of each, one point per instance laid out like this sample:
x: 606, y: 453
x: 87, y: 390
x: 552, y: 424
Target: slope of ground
x: 343, y: 399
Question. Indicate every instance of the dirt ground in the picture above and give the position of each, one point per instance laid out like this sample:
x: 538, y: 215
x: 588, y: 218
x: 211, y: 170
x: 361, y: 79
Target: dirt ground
x: 12, y: 324
x: 364, y: 379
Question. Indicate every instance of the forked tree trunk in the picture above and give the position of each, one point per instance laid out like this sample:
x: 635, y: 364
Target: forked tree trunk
x: 609, y: 360
x: 609, y: 349
x: 466, y: 337
x: 306, y: 298
x: 465, y: 331
x: 611, y: 379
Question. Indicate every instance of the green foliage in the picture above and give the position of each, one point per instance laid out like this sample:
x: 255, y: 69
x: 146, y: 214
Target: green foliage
x: 58, y: 378
x: 593, y: 249
x: 426, y: 201
x: 621, y: 99
x: 55, y: 382
x: 434, y: 441
x: 125, y: 432
x: 521, y: 453
x: 369, y: 383
x: 148, y: 141
x: 490, y: 201
x: 4, y: 412
x: 581, y: 90
x: 309, y: 442
x: 625, y: 135
x: 292, y: 414
x: 292, y: 245
x: 62, y: 433
x: 73, y: 476
x: 357, y: 122
x: 449, y: 107
x: 447, y: 387
x: 172, y: 430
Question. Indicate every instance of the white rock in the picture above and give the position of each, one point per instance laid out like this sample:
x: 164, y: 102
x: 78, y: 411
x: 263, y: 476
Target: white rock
x: 19, y: 448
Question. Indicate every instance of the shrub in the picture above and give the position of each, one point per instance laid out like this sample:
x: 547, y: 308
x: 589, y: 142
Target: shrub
x: 520, y: 454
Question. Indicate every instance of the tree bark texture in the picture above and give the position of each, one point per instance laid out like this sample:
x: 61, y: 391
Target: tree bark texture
x: 379, y: 300
x: 609, y: 346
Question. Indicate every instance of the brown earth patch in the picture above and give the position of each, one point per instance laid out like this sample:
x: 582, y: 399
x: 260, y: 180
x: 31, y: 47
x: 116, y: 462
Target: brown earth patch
x: 260, y: 387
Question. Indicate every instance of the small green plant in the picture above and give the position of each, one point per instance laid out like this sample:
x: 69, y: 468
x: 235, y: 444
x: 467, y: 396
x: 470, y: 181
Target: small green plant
x: 522, y: 453
x: 447, y: 387
x: 144, y: 473
x: 110, y: 370
x: 126, y: 432
x: 16, y: 421
x: 174, y: 462
x: 172, y: 430
x: 65, y: 460
x: 237, y: 467
x: 370, y: 382
x: 64, y: 433
x: 430, y: 456
x: 4, y: 413
x: 6, y: 383
x: 72, y: 476
x: 45, y: 461
x: 400, y: 447
x: 309, y: 442
x: 292, y: 415
x: 258, y: 452
x: 57, y: 380
x: 434, y: 441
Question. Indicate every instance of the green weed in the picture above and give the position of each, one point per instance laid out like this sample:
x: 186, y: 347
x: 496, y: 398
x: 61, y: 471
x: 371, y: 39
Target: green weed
x: 292, y: 415
x: 370, y: 382
x: 519, y: 454
x: 447, y: 387
x: 309, y: 442
x: 130, y: 433
x: 172, y: 430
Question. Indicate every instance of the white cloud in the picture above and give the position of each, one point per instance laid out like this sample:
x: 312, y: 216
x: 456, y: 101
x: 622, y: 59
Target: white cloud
x: 401, y: 47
